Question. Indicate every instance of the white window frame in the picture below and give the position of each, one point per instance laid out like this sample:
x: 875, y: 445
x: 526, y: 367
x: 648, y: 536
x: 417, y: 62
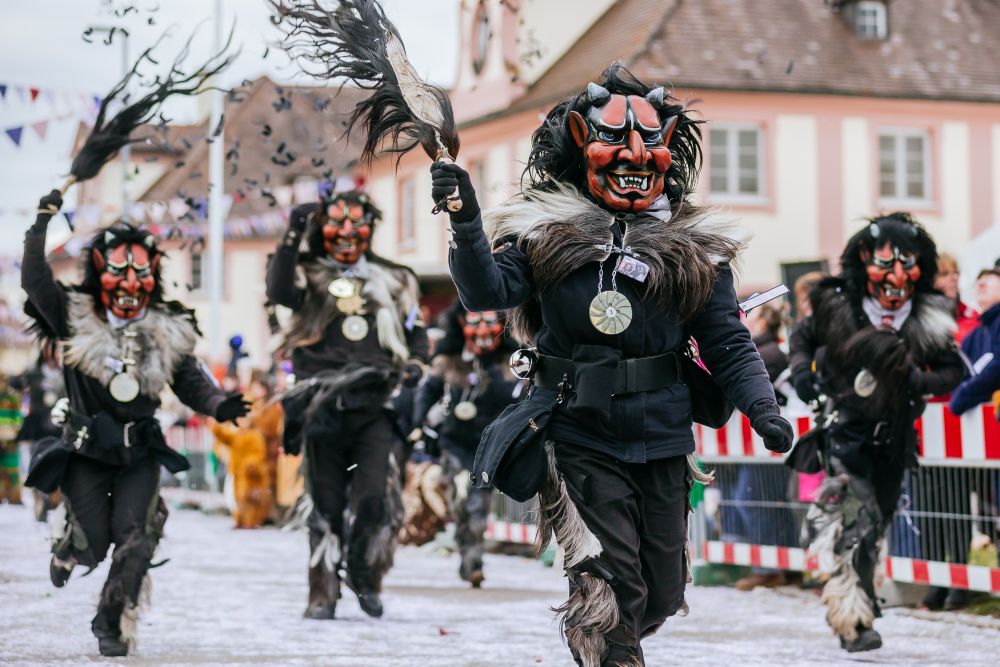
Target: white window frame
x: 732, y: 195
x: 881, y: 24
x: 900, y: 177
x: 407, y: 214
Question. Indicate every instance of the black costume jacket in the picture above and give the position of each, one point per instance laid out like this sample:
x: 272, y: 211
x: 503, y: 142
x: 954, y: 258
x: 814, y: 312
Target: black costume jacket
x: 332, y: 371
x: 493, y: 393
x: 167, y: 336
x: 643, y: 426
x: 830, y: 336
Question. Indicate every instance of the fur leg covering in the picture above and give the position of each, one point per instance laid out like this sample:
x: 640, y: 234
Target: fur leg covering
x: 848, y: 605
x: 381, y: 550
x: 592, y: 609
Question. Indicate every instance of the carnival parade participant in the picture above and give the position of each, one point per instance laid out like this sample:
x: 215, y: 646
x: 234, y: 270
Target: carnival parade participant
x: 608, y: 267
x: 879, y: 340
x: 356, y: 329
x: 122, y: 345
x: 468, y: 387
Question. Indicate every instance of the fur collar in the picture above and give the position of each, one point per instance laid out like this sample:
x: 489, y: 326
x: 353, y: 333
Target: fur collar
x: 390, y: 292
x: 164, y: 338
x: 560, y: 231
x: 928, y: 330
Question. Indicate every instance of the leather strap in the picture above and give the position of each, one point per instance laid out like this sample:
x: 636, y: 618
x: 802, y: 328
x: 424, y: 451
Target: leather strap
x: 633, y: 375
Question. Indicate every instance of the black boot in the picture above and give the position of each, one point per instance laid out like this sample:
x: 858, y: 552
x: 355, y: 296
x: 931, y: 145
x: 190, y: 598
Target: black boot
x: 106, y: 628
x: 59, y: 570
x: 934, y: 599
x: 368, y: 597
x: 866, y: 640
x: 324, y: 582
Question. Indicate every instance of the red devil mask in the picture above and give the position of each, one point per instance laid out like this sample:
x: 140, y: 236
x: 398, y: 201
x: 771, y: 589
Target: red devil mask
x: 127, y: 273
x: 624, y: 147
x: 892, y: 274
x: 347, y: 230
x: 483, y: 331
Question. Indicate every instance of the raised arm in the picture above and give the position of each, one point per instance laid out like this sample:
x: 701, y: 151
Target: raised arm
x: 280, y: 281
x: 46, y: 295
x: 487, y: 278
x: 199, y: 392
x: 727, y: 350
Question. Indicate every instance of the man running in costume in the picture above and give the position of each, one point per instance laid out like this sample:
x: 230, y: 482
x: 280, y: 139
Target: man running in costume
x: 878, y: 340
x: 471, y: 385
x: 122, y: 346
x: 356, y: 329
x: 609, y: 268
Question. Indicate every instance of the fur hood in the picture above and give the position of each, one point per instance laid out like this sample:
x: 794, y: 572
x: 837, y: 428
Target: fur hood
x: 164, y: 338
x: 560, y: 231
x: 390, y: 291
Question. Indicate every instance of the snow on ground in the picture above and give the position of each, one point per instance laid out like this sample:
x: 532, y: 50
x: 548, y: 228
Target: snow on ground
x: 232, y: 597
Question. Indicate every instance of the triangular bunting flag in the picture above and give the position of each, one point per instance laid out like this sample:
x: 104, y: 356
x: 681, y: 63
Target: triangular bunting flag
x: 15, y: 134
x: 3, y: 91
x: 69, y: 216
x: 40, y: 128
x: 34, y: 93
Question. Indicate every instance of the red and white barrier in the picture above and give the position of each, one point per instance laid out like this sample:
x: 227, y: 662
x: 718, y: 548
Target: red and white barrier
x: 972, y: 439
x: 904, y: 570
x: 510, y: 531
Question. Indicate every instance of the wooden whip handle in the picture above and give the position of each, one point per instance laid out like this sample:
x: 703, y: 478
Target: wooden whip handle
x: 65, y: 186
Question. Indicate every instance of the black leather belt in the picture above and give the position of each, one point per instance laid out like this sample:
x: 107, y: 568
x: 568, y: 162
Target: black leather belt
x: 631, y: 377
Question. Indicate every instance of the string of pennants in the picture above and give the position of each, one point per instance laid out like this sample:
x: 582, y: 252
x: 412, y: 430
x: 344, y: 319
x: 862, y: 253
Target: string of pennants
x: 71, y: 104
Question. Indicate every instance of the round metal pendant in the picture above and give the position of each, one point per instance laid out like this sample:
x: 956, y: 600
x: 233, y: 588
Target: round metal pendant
x: 350, y: 305
x: 865, y: 383
x: 610, y: 312
x: 522, y: 362
x: 123, y: 387
x: 354, y: 328
x: 466, y: 410
x: 341, y: 287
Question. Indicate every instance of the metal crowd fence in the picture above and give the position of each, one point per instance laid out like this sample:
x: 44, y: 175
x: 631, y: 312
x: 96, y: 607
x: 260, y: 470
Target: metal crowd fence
x: 753, y: 513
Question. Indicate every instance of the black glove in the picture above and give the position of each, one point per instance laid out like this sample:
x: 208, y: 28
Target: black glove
x: 412, y: 374
x: 232, y: 408
x: 299, y: 216
x: 806, y: 384
x: 48, y: 206
x: 766, y: 419
x: 445, y: 178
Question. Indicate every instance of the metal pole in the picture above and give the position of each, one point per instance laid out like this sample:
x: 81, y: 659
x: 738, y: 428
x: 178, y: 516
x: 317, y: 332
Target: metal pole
x: 126, y: 151
x: 215, y: 222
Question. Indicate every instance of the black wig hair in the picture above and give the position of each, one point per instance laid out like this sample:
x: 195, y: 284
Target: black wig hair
x: 314, y: 232
x: 900, y: 230
x: 556, y: 157
x: 453, y: 341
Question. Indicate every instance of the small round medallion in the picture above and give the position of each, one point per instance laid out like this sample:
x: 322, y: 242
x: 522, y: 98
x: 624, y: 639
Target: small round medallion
x: 350, y: 305
x: 354, y: 328
x: 610, y: 312
x: 466, y: 410
x: 865, y: 383
x: 123, y: 387
x: 522, y: 362
x: 341, y: 287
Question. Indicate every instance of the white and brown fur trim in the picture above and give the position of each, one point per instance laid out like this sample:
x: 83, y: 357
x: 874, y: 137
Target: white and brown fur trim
x: 592, y: 609
x: 562, y: 231
x: 381, y: 551
x: 129, y: 623
x: 847, y: 604
x: 390, y: 292
x: 164, y: 339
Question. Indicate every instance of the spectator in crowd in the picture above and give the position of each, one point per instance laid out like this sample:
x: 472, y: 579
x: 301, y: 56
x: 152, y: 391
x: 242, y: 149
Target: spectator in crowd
x: 803, y: 286
x: 764, y: 324
x: 982, y: 347
x: 947, y: 283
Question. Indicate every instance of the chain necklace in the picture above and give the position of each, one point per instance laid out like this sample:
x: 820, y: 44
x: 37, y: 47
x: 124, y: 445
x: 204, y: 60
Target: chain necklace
x: 610, y: 310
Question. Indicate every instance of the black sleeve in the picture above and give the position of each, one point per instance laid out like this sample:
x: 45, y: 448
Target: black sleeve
x: 416, y: 342
x: 802, y: 344
x: 46, y: 295
x: 726, y: 348
x: 429, y: 392
x: 280, y: 281
x: 942, y: 375
x: 194, y: 388
x: 488, y: 280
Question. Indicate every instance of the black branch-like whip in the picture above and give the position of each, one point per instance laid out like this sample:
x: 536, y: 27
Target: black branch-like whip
x: 110, y: 135
x: 352, y: 41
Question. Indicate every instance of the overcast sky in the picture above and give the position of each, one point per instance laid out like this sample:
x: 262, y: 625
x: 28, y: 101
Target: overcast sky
x: 42, y: 45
